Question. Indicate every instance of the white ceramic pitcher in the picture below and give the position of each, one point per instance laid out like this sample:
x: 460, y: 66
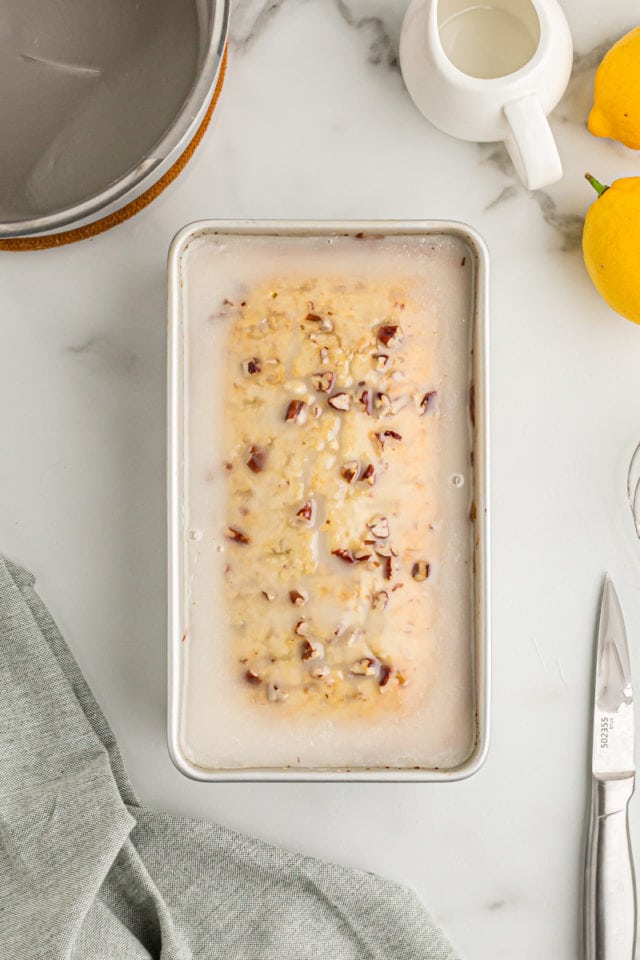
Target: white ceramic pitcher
x: 488, y: 71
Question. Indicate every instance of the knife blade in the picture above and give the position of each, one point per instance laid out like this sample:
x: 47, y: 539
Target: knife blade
x: 613, y: 694
x: 610, y: 894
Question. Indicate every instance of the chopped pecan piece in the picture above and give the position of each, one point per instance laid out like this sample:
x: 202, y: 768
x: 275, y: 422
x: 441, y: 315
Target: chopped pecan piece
x: 346, y: 555
x: 369, y: 474
x: 306, y: 511
x: 379, y: 600
x: 361, y: 556
x: 252, y: 678
x: 252, y: 365
x: 301, y: 628
x: 294, y: 410
x: 323, y: 381
x: 257, y: 458
x: 379, y: 527
x: 388, y: 567
x: 365, y: 399
x: 381, y: 360
x: 386, y: 673
x: 420, y: 570
x: 236, y: 535
x: 268, y: 596
x: 340, y: 401
x: 383, y: 435
x: 389, y: 334
x: 365, y: 667
x: 386, y: 550
x: 312, y: 651
x: 382, y: 404
x: 324, y: 322
x: 427, y: 402
x: 350, y: 471
x: 298, y: 599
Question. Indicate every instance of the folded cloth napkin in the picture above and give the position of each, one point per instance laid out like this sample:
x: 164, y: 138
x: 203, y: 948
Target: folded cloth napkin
x: 87, y: 872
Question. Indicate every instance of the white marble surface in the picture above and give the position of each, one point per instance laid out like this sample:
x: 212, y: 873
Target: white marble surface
x: 314, y: 122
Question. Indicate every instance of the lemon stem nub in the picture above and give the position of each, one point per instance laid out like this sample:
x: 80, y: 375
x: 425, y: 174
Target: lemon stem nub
x: 600, y: 188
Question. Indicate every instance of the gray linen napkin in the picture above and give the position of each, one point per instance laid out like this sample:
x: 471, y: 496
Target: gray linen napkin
x: 86, y: 872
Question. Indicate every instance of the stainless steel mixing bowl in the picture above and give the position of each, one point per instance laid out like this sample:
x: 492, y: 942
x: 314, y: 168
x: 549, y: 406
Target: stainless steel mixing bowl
x: 98, y: 99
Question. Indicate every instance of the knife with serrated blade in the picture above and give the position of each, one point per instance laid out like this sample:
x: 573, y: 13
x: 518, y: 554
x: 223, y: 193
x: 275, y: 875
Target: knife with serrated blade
x: 610, y: 889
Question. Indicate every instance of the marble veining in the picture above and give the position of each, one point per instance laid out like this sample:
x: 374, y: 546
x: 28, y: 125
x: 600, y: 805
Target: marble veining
x: 104, y: 353
x: 568, y: 226
x: 252, y: 17
x: 383, y: 48
x: 589, y: 59
x: 505, y: 194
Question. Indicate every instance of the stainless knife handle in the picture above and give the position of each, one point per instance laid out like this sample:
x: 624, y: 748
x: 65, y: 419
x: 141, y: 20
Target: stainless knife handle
x: 610, y: 890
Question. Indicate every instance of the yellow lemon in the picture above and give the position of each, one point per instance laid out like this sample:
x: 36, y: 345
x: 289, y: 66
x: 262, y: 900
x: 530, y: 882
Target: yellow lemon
x: 616, y: 109
x: 611, y: 244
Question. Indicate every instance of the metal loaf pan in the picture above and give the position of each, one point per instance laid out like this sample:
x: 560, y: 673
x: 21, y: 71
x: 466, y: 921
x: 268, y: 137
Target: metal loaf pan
x: 178, y: 472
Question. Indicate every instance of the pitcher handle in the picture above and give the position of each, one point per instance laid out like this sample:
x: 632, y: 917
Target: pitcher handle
x: 531, y: 145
